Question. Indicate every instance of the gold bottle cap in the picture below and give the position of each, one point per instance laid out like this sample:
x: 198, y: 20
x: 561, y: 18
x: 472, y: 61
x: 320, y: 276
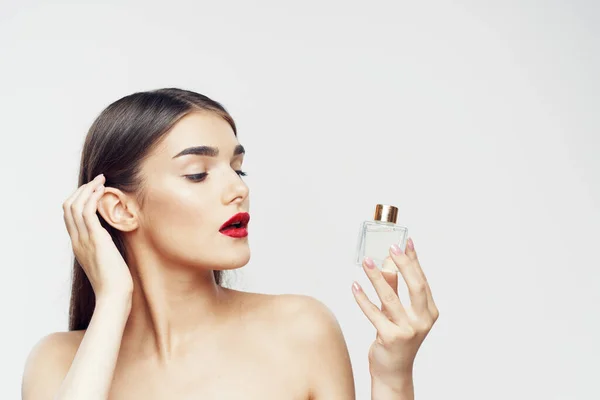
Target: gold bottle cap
x: 386, y: 213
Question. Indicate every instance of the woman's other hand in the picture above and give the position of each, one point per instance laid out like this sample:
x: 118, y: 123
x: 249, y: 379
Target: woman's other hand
x: 93, y: 246
x: 400, y: 329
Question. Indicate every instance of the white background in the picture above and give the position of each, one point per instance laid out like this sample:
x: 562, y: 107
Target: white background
x: 478, y: 119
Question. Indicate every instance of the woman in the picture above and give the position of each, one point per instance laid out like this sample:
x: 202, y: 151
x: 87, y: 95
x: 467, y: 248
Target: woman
x: 160, y: 213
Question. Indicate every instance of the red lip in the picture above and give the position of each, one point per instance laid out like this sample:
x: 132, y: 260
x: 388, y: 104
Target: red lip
x: 236, y: 226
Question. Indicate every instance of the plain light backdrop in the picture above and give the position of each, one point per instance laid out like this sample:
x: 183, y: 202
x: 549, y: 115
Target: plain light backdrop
x: 478, y: 119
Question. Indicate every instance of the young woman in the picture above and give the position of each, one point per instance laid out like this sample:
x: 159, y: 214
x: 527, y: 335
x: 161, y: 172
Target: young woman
x: 161, y: 211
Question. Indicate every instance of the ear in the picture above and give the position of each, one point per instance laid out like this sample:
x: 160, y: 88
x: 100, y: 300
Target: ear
x: 119, y: 210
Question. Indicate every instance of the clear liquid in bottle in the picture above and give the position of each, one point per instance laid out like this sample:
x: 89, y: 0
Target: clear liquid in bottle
x: 376, y: 236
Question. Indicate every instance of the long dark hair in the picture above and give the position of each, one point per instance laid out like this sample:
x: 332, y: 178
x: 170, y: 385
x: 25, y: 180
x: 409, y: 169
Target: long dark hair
x: 116, y: 144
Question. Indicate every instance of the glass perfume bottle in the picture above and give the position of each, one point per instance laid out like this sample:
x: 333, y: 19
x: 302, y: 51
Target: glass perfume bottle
x: 376, y: 237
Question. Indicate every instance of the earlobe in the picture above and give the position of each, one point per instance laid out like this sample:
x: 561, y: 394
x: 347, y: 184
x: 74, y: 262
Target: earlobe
x: 118, y: 210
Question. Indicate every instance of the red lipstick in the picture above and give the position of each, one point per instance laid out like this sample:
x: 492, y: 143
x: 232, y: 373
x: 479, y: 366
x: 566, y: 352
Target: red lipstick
x: 236, y: 226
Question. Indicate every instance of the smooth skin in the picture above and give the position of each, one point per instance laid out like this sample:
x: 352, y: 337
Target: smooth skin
x: 400, y: 329
x: 162, y: 328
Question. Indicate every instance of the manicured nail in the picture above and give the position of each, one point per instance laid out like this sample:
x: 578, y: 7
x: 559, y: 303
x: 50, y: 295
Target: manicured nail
x: 369, y: 262
x: 355, y: 287
x: 396, y: 249
x: 411, y: 245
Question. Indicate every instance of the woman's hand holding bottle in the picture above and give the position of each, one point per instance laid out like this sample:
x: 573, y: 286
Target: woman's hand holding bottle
x: 401, y: 329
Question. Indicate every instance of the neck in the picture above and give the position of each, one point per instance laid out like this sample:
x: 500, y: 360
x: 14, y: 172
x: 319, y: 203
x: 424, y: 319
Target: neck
x: 172, y: 304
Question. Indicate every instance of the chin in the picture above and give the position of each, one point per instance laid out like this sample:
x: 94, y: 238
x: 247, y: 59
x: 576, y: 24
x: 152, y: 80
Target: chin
x: 234, y: 260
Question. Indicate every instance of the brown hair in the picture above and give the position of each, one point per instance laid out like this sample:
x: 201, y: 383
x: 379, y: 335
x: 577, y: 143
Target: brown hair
x: 116, y: 144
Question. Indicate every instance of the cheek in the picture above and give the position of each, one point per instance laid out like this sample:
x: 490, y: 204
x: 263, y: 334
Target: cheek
x: 181, y: 225
x: 178, y: 221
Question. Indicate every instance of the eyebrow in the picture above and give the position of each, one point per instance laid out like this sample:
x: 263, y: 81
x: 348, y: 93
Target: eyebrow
x: 208, y: 151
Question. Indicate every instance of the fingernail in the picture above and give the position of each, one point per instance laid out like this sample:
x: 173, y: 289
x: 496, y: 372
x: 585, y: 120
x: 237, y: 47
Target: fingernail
x: 369, y: 262
x: 355, y: 287
x: 411, y: 245
x: 396, y: 249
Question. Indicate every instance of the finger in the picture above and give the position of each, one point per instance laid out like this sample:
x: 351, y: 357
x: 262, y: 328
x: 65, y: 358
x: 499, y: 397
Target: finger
x: 90, y: 218
x: 417, y: 286
x: 68, y: 214
x: 412, y: 254
x: 390, y: 274
x: 371, y: 311
x: 79, y: 203
x: 389, y: 299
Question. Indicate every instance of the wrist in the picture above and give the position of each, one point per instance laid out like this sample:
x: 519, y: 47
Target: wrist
x: 398, y: 387
x: 115, y: 301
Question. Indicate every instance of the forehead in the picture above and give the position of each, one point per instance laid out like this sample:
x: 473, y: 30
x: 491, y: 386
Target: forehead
x: 199, y: 129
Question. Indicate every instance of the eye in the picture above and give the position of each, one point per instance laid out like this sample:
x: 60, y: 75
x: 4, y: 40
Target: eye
x: 197, y: 177
x: 241, y: 173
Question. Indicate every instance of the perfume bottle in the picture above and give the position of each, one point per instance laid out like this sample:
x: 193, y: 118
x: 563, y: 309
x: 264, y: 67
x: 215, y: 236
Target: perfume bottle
x: 376, y: 237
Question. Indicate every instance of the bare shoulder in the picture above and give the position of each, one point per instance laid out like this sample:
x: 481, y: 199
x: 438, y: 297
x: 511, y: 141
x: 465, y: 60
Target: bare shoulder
x: 307, y: 331
x: 56, y: 348
x: 310, y: 318
x: 48, y: 363
x: 301, y: 318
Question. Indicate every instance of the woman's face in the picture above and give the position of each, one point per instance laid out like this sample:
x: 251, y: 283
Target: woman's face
x: 192, y: 186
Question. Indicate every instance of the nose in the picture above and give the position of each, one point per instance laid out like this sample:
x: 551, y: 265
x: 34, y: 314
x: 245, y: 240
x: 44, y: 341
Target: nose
x: 237, y: 190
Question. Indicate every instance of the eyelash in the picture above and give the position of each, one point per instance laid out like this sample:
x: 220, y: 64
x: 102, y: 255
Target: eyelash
x: 202, y: 176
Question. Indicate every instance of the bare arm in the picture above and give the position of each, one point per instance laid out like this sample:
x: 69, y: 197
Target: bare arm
x: 382, y: 391
x: 91, y: 371
x: 321, y: 347
x: 59, y: 368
